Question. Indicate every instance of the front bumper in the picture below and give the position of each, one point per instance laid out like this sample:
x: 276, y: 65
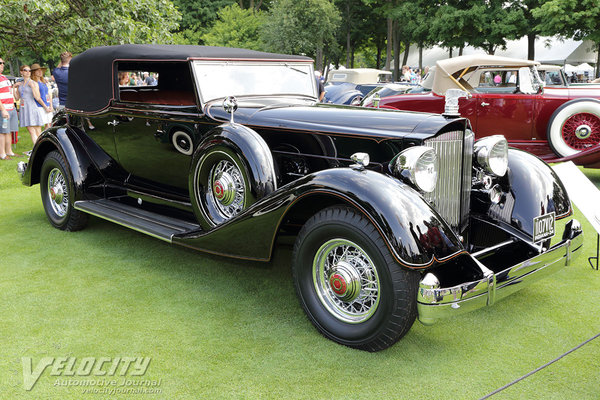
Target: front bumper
x: 435, y: 302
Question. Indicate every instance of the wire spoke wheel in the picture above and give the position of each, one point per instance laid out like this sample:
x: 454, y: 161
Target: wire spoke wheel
x: 228, y: 188
x: 346, y: 280
x: 58, y: 192
x: 581, y: 131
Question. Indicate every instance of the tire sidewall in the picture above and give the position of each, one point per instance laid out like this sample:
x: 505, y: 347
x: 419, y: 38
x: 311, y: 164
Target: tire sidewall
x: 328, y: 324
x: 561, y: 115
x: 54, y: 160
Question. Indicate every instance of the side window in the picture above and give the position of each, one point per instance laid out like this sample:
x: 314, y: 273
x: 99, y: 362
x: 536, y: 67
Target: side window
x: 500, y: 81
x: 159, y: 83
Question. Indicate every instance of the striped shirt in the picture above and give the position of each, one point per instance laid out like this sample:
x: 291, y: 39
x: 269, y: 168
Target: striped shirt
x: 6, y: 93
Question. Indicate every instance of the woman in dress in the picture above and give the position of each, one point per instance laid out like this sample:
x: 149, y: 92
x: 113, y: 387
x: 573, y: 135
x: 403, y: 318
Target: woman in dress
x: 28, y: 92
x: 37, y: 74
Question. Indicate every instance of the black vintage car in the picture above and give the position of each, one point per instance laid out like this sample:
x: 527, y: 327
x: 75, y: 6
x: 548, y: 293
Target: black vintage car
x: 394, y: 214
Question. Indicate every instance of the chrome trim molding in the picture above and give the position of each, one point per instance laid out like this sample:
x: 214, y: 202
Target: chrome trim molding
x: 435, y: 302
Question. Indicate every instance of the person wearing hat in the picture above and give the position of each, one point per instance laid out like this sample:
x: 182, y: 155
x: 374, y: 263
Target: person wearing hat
x: 30, y: 113
x: 37, y: 74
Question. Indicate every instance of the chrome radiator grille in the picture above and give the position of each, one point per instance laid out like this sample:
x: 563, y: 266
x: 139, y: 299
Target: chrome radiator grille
x: 451, y: 197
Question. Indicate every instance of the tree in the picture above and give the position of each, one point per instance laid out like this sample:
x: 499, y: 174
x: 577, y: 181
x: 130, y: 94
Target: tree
x: 527, y: 23
x: 48, y: 27
x: 301, y: 27
x: 236, y: 28
x: 579, y: 19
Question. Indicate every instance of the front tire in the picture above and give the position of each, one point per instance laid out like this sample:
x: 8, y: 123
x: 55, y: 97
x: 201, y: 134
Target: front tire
x: 57, y: 190
x: 348, y: 282
x: 575, y: 127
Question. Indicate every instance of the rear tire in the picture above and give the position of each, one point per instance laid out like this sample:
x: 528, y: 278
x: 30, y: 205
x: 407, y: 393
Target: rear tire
x: 348, y: 282
x: 57, y: 190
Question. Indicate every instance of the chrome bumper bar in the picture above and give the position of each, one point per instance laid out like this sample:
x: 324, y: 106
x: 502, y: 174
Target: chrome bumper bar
x: 434, y: 302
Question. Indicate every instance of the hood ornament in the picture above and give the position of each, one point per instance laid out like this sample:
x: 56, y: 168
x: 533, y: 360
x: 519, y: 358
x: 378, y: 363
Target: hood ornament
x: 230, y: 105
x: 451, y: 106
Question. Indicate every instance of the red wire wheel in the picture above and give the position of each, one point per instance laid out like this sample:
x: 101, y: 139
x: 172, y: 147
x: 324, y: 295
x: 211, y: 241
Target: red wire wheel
x: 581, y: 131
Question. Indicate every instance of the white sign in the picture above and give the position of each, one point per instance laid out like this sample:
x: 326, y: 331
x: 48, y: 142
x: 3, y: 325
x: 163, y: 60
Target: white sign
x: 582, y: 191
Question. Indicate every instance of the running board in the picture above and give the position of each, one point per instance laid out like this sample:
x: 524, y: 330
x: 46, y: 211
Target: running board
x: 150, y: 223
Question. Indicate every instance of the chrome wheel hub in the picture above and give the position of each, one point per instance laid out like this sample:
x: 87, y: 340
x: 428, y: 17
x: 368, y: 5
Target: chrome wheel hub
x: 224, y: 189
x: 58, y: 192
x: 346, y: 281
x: 583, y: 131
x: 228, y: 188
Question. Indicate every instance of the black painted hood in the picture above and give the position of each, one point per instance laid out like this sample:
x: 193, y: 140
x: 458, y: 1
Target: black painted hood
x: 311, y: 117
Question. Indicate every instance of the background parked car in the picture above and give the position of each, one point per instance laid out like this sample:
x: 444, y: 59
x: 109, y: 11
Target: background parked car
x: 350, y: 86
x: 506, y: 96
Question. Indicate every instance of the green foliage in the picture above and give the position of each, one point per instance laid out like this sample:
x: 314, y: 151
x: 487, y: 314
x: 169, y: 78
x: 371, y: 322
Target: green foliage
x: 579, y: 19
x: 301, y: 27
x: 236, y: 27
x: 199, y: 15
x: 49, y: 27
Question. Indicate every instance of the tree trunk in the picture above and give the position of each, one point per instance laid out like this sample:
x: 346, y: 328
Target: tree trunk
x: 390, y: 41
x: 421, y: 57
x: 348, y: 48
x: 352, y: 59
x: 460, y: 50
x: 598, y: 61
x: 396, y: 73
x: 319, y: 58
x: 406, y: 49
x: 379, y: 56
x: 531, y: 46
x: 348, y: 44
x: 450, y: 53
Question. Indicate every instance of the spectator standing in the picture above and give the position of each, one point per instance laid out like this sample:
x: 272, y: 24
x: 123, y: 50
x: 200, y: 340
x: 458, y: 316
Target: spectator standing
x: 320, y: 86
x: 61, y: 77
x: 29, y: 93
x: 9, y: 115
x: 37, y: 74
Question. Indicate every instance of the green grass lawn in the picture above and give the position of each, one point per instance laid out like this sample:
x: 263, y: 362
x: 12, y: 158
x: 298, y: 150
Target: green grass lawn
x: 220, y: 328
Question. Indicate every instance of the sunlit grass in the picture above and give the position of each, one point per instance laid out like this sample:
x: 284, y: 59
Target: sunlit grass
x: 220, y: 328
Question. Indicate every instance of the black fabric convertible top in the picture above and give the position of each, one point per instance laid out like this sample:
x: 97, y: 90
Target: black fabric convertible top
x: 92, y: 74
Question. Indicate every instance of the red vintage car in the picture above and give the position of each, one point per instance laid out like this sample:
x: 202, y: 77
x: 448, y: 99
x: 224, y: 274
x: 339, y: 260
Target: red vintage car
x: 506, y: 96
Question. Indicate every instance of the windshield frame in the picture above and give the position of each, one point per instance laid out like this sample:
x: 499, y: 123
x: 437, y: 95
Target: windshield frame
x: 202, y: 95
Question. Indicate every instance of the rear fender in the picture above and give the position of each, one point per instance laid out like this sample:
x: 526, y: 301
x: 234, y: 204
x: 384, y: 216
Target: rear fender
x: 81, y: 169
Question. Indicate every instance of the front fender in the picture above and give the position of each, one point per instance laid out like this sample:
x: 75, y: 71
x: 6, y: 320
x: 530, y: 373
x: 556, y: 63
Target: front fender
x: 531, y: 188
x: 414, y: 232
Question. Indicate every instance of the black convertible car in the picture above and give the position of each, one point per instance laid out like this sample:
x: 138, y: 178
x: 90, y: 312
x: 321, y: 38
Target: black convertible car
x: 394, y: 214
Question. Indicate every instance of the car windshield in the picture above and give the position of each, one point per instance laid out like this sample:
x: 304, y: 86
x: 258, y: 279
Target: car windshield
x: 217, y: 80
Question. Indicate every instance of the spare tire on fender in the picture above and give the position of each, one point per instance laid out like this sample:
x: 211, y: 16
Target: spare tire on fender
x: 231, y: 169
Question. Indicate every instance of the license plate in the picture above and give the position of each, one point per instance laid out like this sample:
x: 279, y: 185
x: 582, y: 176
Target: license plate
x: 543, y: 227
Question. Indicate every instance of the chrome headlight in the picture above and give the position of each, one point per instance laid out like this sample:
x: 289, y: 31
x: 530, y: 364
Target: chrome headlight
x: 491, y: 153
x: 419, y: 165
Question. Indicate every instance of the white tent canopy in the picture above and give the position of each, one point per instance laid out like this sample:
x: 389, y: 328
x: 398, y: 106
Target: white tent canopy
x: 548, y: 50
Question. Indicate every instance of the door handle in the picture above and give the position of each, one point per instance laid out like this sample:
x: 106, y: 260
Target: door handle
x: 114, y: 122
x: 484, y: 104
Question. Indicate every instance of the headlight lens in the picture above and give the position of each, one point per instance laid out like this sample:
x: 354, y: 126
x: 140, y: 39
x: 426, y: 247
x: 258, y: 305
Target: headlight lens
x: 492, y: 154
x: 419, y: 165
